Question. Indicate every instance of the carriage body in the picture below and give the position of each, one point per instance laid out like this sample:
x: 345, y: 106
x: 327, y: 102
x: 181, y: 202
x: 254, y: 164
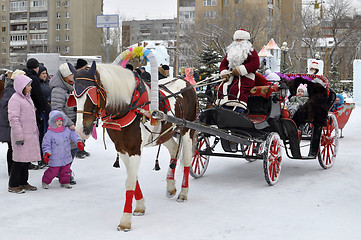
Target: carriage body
x: 266, y: 128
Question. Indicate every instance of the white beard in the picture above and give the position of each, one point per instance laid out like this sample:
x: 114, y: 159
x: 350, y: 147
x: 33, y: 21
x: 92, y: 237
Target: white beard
x: 237, y: 53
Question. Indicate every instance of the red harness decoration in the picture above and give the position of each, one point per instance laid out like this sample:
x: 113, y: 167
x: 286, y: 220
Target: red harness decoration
x: 140, y: 100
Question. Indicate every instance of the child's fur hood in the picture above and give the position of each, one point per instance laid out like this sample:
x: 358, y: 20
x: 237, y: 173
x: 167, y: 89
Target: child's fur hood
x: 55, y: 114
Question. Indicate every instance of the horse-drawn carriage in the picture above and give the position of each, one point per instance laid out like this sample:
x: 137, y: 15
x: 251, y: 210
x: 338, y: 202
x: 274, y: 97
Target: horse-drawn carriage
x: 265, y: 128
x: 114, y: 95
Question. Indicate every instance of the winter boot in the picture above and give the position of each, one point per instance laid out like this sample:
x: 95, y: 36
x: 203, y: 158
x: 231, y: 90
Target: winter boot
x: 28, y: 187
x: 66, y: 185
x: 16, y: 190
x: 45, y: 185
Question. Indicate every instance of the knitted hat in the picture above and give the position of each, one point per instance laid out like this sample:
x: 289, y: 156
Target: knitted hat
x: 32, y: 63
x: 42, y: 69
x: 65, y: 70
x: 304, y: 88
x: 143, y: 68
x: 16, y: 73
x: 165, y: 67
x: 80, y: 63
x: 273, y: 77
x: 241, y: 34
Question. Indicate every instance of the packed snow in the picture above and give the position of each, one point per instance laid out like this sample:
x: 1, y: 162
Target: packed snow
x: 231, y: 201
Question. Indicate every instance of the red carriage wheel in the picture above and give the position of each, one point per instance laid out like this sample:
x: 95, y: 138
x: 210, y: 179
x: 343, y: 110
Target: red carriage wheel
x: 272, y: 158
x: 329, y: 142
x: 200, y: 162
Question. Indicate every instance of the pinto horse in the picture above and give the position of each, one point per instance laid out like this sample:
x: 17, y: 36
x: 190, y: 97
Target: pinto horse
x: 107, y: 91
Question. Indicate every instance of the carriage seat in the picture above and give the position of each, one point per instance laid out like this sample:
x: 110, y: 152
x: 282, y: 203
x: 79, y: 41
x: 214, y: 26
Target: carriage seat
x: 259, y: 104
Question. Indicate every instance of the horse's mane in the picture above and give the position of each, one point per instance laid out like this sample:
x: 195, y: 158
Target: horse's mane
x: 119, y: 84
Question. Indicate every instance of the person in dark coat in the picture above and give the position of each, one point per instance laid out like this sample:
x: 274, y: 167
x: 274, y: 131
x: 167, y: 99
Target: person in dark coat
x: 163, y: 71
x: 145, y: 75
x: 37, y: 95
x: 4, y: 120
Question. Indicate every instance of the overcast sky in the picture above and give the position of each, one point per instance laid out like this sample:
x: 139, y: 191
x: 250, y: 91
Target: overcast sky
x: 141, y: 9
x: 152, y: 9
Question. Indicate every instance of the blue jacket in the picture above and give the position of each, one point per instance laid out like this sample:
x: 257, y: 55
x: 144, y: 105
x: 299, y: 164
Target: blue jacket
x: 58, y: 143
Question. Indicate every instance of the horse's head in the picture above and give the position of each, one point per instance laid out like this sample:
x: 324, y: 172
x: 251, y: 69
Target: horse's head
x: 90, y: 99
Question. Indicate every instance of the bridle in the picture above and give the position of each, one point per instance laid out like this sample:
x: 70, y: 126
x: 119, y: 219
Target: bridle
x: 95, y: 94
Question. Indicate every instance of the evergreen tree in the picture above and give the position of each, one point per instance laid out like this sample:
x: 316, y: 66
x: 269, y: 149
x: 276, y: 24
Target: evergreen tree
x: 335, y: 83
x: 209, y: 58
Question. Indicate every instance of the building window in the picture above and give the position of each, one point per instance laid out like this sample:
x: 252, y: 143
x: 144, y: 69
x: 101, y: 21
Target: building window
x: 209, y: 2
x: 209, y: 14
x: 3, y: 7
x: 237, y: 1
x: 57, y: 38
x: 58, y: 15
x: 37, y: 3
x: 67, y: 3
x: 18, y: 6
x: 225, y: 2
x: 67, y: 38
x: 67, y: 26
x: 57, y: 26
x: 3, y: 40
x: 58, y: 4
x: 67, y: 14
x: 67, y: 49
x: 58, y: 49
x: 4, y: 50
x: 3, y: 29
x: 3, y: 18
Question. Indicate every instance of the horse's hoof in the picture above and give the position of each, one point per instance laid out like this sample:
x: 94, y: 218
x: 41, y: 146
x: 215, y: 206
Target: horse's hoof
x: 138, y: 213
x: 182, y: 198
x: 171, y: 194
x: 123, y: 228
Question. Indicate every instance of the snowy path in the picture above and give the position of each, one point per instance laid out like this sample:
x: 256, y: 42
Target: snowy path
x: 232, y: 200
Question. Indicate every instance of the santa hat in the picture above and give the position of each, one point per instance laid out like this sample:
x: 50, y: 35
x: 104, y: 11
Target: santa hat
x: 65, y: 70
x: 241, y: 34
x: 304, y: 88
x: 314, y: 65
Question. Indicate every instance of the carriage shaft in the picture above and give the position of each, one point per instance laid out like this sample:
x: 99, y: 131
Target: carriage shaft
x: 158, y: 115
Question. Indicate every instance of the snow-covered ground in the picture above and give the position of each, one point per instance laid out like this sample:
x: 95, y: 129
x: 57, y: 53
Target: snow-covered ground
x: 231, y: 201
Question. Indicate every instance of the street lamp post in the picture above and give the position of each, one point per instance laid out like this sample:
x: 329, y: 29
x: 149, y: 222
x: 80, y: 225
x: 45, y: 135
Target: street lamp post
x: 284, y: 50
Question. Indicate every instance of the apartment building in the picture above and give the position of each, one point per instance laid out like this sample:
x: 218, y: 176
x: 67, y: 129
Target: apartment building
x: 144, y: 30
x: 49, y: 26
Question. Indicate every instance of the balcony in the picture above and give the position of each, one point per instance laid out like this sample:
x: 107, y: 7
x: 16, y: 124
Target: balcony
x: 17, y: 21
x: 18, y: 43
x: 39, y: 42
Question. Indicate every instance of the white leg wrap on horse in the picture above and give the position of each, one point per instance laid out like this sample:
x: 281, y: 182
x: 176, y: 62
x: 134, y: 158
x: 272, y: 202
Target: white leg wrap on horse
x: 171, y: 189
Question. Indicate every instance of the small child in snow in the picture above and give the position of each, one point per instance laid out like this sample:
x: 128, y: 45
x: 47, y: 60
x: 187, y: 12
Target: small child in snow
x: 57, y: 150
x: 299, y: 100
x: 339, y: 101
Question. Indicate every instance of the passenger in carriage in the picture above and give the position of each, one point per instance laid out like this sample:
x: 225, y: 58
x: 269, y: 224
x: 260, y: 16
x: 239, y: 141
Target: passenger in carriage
x: 238, y: 68
x: 163, y: 71
x: 299, y: 100
x: 339, y: 101
x: 314, y: 69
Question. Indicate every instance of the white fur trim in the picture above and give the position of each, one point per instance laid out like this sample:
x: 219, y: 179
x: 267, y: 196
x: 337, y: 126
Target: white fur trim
x: 251, y: 76
x: 241, y: 34
x: 224, y: 72
x: 242, y: 70
x: 232, y: 103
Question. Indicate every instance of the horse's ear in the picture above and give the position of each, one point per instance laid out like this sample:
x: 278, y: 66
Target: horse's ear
x: 71, y: 101
x: 92, y: 70
x: 72, y: 68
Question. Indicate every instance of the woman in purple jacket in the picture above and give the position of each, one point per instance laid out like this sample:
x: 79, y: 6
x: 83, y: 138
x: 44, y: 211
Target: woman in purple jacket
x: 57, y: 150
x: 24, y: 135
